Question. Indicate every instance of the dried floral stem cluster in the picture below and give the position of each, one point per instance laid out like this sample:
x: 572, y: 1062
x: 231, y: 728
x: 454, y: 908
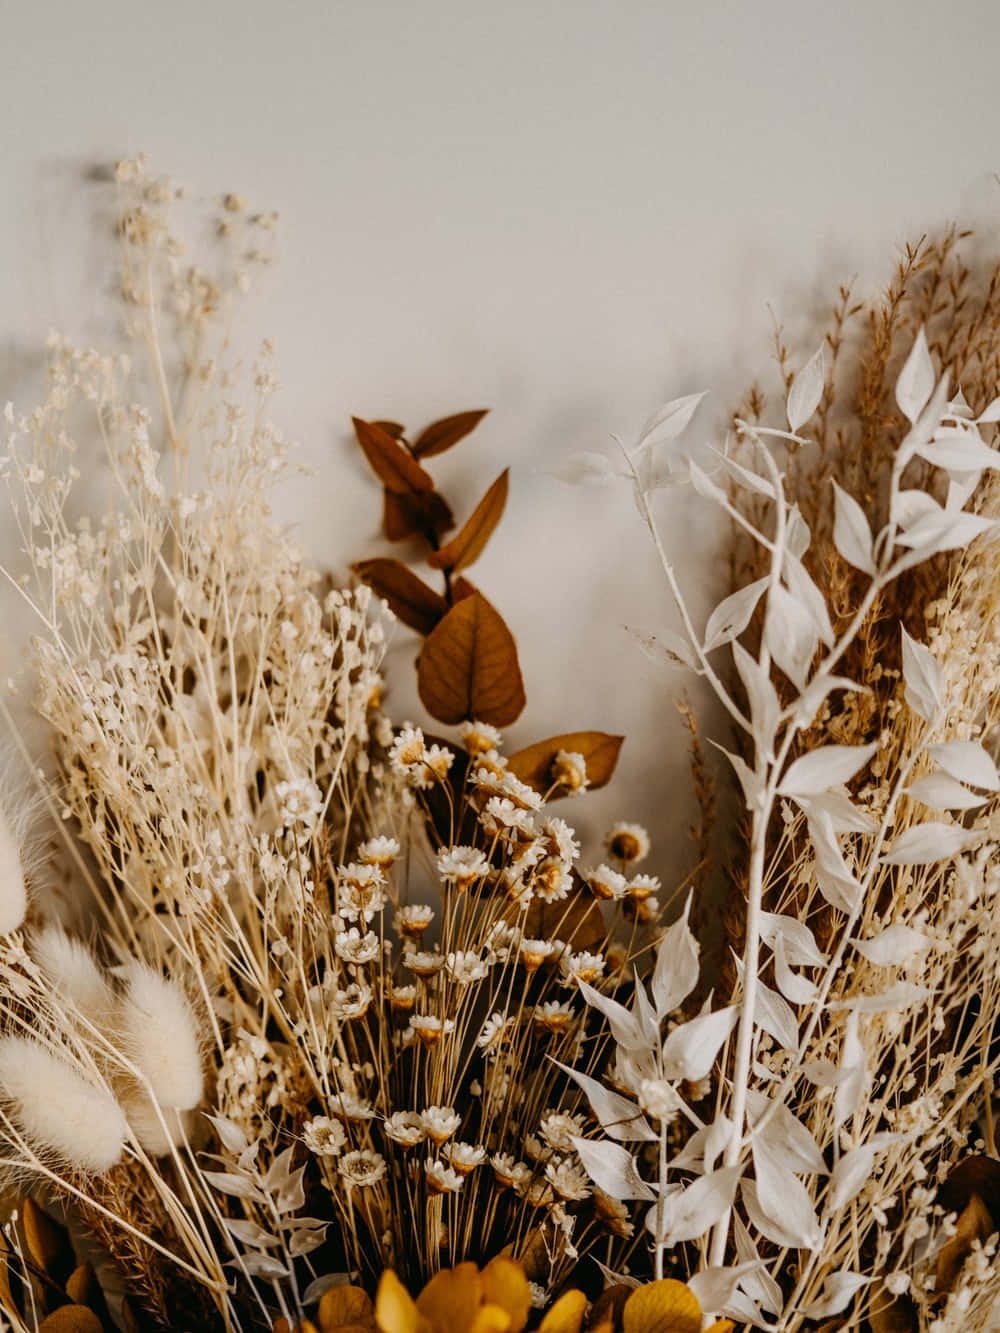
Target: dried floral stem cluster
x: 327, y: 1020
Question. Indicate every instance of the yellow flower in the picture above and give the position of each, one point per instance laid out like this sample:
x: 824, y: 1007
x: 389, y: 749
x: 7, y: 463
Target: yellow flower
x: 457, y: 1300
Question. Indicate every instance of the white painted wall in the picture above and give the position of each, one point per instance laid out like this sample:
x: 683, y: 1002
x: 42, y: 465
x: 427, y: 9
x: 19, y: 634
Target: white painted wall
x: 566, y: 211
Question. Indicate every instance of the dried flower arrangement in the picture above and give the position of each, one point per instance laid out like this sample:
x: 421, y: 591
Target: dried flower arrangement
x: 350, y: 1020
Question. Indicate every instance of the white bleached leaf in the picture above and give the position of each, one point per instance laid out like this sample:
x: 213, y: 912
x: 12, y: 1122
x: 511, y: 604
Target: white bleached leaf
x: 916, y: 380
x: 624, y: 1026
x: 990, y: 414
x: 612, y: 1169
x: 852, y: 535
x: 585, y: 469
x: 837, y: 883
x: 260, y: 1265
x: 321, y: 1285
x: 806, y: 593
x: 957, y: 450
x: 238, y: 1186
x: 717, y: 1136
x: 790, y: 635
x: 850, y: 1176
x: 230, y: 1135
x: 839, y: 1288
x: 967, y: 761
x: 927, y: 843
x: 824, y: 1073
x: 922, y: 677
x: 941, y: 792
x: 704, y: 484
x: 665, y: 647
x: 693, y: 1211
x: 304, y: 1241
x: 670, y: 421
x: 731, y: 617
x: 893, y: 946
x: 764, y: 706
x: 785, y: 1134
x: 757, y: 1282
x: 806, y: 391
x: 690, y: 1050
x: 772, y: 1013
x: 943, y: 530
x: 249, y: 1233
x: 797, y: 534
x: 619, y: 1118
x: 751, y: 784
x: 797, y: 989
x: 799, y: 941
x: 643, y: 1011
x: 852, y: 1090
x: 899, y: 996
x: 842, y: 815
x: 714, y: 1288
x: 825, y: 767
x: 783, y: 1199
x: 676, y: 972
x: 744, y: 476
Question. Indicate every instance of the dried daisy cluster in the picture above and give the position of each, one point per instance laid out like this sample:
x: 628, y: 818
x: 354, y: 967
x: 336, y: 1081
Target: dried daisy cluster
x: 813, y: 1178
x: 327, y: 1014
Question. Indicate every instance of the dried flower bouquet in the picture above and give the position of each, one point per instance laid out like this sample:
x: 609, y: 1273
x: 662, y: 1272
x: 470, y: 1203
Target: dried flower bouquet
x: 348, y: 1018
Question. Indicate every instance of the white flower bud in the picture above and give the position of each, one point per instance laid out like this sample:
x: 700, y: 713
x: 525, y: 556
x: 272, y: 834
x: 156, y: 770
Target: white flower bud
x: 57, y: 1109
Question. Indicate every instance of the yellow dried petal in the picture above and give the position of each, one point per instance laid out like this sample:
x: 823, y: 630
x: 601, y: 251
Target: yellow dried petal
x: 662, y: 1307
x: 452, y: 1297
x: 395, y: 1311
x: 566, y: 1316
x: 505, y: 1284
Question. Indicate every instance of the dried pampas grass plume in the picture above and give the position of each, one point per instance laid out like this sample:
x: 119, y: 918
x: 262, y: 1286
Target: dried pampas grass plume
x: 13, y: 893
x: 70, y: 968
x: 57, y: 1109
x: 159, y: 1034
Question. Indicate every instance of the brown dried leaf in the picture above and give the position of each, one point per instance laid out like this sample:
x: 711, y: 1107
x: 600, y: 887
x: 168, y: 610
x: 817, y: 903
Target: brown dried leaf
x: 47, y: 1241
x: 394, y: 466
x: 441, y: 435
x: 417, y: 513
x: 892, y: 1314
x: 80, y: 1285
x: 410, y: 598
x: 468, y: 667
x: 461, y: 589
x: 599, y: 748
x: 392, y: 428
x: 71, y: 1319
x: 974, y: 1223
x: 577, y: 919
x: 666, y: 1306
x: 608, y: 1307
x: 469, y: 543
x: 977, y: 1174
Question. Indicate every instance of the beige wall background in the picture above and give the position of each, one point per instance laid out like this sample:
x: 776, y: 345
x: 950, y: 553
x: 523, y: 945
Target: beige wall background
x: 565, y: 211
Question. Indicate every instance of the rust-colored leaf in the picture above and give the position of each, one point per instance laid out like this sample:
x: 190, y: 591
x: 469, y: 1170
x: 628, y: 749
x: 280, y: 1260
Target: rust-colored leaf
x: 470, y: 541
x: 666, y: 1306
x: 129, y: 1318
x: 577, y: 919
x: 461, y: 589
x: 468, y: 667
x: 394, y: 466
x: 607, y: 1309
x: 343, y: 1308
x: 974, y: 1223
x: 409, y: 597
x: 71, y: 1319
x: 534, y: 764
x: 977, y: 1174
x: 392, y: 428
x: 441, y: 435
x: 892, y: 1314
x: 47, y: 1241
x: 419, y: 513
